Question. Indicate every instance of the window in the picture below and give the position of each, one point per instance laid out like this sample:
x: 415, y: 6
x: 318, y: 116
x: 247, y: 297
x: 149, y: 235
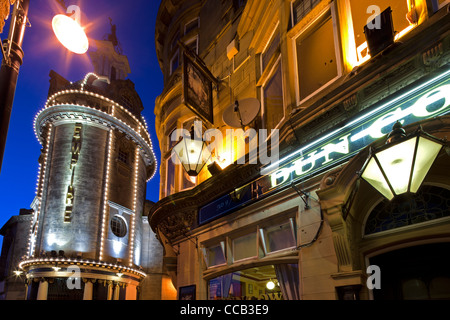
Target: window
x: 272, y: 82
x: 270, y: 49
x: 215, y: 255
x: 239, y: 4
x: 113, y: 73
x: 118, y: 226
x: 187, y: 181
x: 123, y: 156
x: 172, y: 141
x: 174, y: 62
x: 244, y: 247
x: 318, y: 55
x: 174, y: 43
x: 438, y: 4
x: 118, y: 236
x: 170, y: 175
x: 279, y: 237
x: 428, y: 204
x: 301, y: 8
x: 273, y: 98
x: 192, y: 45
x: 191, y: 25
x: 363, y: 11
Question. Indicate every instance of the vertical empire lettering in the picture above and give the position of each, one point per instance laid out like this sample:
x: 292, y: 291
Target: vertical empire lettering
x: 75, y: 151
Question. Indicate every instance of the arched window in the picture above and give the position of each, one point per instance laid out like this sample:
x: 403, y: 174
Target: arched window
x: 427, y: 204
x: 118, y: 226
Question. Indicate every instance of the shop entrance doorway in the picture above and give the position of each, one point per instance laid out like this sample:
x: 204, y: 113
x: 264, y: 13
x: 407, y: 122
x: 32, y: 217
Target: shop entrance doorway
x: 415, y: 273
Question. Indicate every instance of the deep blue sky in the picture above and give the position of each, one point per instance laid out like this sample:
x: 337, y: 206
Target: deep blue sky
x: 135, y: 21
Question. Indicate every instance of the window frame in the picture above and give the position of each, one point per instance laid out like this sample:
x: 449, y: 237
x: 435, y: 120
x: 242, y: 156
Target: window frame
x: 437, y: 6
x: 190, y: 21
x: 223, y: 246
x: 307, y: 30
x: 292, y: 225
x: 122, y: 220
x: 169, y: 158
x: 126, y: 214
x: 271, y: 73
x: 190, y: 40
x: 293, y: 22
x: 177, y: 56
x: 267, y: 74
x: 232, y: 245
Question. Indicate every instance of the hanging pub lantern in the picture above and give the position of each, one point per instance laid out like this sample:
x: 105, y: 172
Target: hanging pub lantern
x: 400, y: 166
x: 193, y: 153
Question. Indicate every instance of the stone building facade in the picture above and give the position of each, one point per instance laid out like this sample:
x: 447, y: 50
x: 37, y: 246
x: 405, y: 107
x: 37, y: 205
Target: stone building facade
x: 308, y: 222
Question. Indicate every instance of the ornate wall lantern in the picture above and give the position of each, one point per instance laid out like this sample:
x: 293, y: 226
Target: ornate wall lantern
x: 400, y: 166
x: 69, y: 32
x: 193, y: 153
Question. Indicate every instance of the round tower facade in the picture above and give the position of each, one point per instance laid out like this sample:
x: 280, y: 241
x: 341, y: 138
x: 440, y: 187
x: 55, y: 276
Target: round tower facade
x: 96, y: 159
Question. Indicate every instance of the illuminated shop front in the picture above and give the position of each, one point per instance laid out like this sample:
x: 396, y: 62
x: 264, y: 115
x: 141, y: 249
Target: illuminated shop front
x: 310, y: 225
x: 291, y: 225
x: 429, y: 99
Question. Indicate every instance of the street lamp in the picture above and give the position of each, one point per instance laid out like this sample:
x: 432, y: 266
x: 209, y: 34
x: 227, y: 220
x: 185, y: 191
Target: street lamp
x: 9, y: 71
x: 192, y: 153
x: 68, y: 32
x: 400, y: 166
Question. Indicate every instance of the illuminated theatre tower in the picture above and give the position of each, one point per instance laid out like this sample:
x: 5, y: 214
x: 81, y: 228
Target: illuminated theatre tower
x: 89, y: 207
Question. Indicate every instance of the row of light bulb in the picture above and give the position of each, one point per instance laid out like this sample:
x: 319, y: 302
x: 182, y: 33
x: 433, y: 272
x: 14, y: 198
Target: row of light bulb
x: 136, y: 134
x: 133, y: 216
x: 39, y: 189
x: 106, y: 193
x: 23, y: 264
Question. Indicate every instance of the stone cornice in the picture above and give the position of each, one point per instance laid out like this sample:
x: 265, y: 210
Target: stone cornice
x: 63, y: 113
x: 177, y: 214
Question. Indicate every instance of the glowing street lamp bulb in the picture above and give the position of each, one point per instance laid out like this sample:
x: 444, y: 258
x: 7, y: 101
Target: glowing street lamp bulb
x: 70, y: 34
x: 270, y: 285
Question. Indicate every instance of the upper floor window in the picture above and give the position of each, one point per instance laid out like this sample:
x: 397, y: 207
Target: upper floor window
x: 318, y: 55
x: 192, y: 44
x: 170, y: 176
x: 174, y: 43
x: 239, y: 4
x: 301, y: 8
x: 405, y: 16
x: 175, y: 62
x: 272, y: 82
x: 191, y: 25
x: 123, y: 156
x: 439, y: 4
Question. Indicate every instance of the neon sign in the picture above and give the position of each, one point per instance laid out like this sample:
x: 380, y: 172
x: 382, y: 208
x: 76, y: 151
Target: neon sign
x: 428, y: 100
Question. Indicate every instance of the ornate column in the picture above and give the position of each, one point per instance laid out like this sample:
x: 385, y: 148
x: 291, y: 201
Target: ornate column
x: 88, y: 289
x: 110, y: 290
x: 116, y: 291
x: 42, y: 290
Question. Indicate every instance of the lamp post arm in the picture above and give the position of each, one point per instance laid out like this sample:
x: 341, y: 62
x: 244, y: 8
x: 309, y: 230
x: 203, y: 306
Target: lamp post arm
x: 9, y: 70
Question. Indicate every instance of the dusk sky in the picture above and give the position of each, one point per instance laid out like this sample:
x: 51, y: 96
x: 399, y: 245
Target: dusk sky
x: 135, y: 21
